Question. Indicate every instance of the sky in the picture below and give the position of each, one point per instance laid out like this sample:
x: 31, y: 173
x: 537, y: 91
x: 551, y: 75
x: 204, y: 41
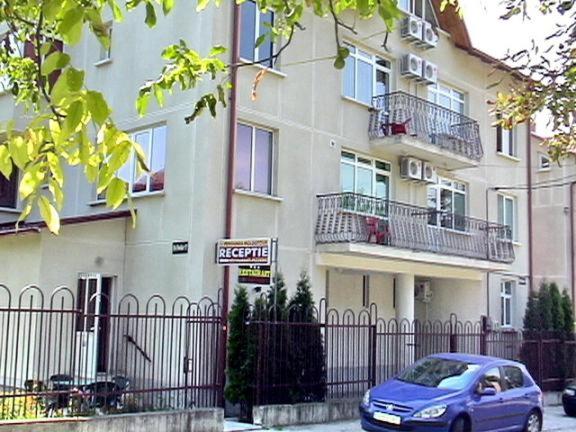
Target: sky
x: 495, y: 36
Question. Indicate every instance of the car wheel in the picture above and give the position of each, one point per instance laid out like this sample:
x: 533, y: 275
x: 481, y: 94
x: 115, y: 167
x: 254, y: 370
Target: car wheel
x: 570, y: 411
x: 533, y: 422
x: 460, y: 425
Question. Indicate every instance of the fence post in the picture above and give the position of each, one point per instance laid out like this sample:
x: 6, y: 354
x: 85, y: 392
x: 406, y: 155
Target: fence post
x: 484, y: 335
x: 453, y: 337
x: 372, y: 365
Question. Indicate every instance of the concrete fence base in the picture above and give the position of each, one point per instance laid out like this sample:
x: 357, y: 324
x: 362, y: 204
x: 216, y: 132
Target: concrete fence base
x: 197, y: 420
x: 305, y: 413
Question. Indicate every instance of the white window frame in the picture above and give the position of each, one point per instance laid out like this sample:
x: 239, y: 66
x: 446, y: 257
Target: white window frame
x: 359, y: 54
x: 455, y: 95
x: 508, y: 147
x: 455, y: 187
x: 412, y: 10
x: 253, y: 158
x: 105, y: 54
x: 507, y: 321
x: 256, y: 52
x: 375, y: 171
x: 543, y: 162
x: 502, y: 217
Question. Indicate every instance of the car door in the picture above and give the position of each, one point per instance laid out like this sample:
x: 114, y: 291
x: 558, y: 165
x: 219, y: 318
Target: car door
x: 488, y: 411
x: 516, y: 397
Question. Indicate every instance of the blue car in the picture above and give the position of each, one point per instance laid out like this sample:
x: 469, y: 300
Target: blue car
x: 455, y: 393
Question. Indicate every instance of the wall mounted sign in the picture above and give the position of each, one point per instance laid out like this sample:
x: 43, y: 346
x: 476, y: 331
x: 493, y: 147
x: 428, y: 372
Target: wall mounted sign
x: 254, y: 275
x: 244, y: 251
x: 179, y: 247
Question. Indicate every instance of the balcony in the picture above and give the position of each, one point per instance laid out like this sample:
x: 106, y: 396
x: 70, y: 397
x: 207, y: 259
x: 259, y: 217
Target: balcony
x: 353, y: 218
x: 406, y: 125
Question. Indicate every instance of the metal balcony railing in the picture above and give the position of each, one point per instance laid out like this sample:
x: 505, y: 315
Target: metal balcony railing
x: 350, y: 217
x: 399, y: 112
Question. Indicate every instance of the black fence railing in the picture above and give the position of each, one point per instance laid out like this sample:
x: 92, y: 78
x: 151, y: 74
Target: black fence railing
x: 402, y: 113
x: 338, y: 355
x: 350, y: 217
x: 59, y: 359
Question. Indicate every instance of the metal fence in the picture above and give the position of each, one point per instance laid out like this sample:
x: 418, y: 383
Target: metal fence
x: 351, y: 217
x: 64, y: 354
x: 443, y: 128
x: 342, y: 354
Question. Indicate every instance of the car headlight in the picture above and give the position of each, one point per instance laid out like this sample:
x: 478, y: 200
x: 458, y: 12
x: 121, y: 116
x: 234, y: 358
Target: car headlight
x: 569, y: 392
x: 434, y: 411
x: 366, y: 398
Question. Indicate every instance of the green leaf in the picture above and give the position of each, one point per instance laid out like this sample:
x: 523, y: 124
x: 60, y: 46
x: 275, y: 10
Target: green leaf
x: 116, y: 10
x: 57, y: 193
x: 167, y: 6
x: 71, y: 25
x: 74, y: 116
x: 18, y: 151
x: 74, y: 79
x: 142, y: 102
x: 202, y: 4
x: 116, y: 193
x: 55, y: 168
x: 30, y: 182
x: 56, y: 60
x: 260, y: 40
x: 49, y: 214
x: 217, y: 50
x: 5, y: 162
x: 150, y: 15
x: 97, y: 106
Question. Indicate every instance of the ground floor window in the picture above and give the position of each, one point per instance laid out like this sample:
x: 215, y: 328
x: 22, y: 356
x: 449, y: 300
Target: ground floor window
x: 506, y: 294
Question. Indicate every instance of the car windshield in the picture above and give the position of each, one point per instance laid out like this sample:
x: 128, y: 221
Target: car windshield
x: 440, y: 373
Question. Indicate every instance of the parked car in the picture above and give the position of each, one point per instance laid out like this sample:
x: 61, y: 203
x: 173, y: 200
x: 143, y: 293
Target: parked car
x: 569, y: 399
x: 456, y: 393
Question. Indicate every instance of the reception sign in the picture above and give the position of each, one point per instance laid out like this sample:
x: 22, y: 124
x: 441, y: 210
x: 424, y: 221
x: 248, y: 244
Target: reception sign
x: 244, y: 251
x: 254, y: 275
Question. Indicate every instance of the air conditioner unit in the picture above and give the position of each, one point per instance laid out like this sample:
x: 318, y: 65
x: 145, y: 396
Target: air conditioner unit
x: 429, y: 72
x: 423, y: 291
x: 411, y: 29
x: 429, y: 36
x: 429, y: 173
x: 411, y: 66
x: 411, y: 168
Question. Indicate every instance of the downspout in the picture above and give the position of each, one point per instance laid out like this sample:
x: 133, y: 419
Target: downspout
x: 233, y: 116
x: 572, y: 247
x: 487, y: 251
x: 530, y: 227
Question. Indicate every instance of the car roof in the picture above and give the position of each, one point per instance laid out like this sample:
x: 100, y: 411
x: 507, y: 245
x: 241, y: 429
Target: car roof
x: 472, y: 358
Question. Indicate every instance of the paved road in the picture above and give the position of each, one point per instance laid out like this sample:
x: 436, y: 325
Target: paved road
x: 554, y: 421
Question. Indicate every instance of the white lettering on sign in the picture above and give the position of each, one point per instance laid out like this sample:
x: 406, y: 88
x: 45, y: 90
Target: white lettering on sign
x: 248, y: 251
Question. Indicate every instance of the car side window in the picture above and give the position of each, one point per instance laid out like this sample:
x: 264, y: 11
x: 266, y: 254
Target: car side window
x: 491, y: 378
x: 513, y: 377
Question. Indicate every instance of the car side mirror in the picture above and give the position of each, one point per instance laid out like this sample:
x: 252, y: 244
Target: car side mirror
x: 488, y: 391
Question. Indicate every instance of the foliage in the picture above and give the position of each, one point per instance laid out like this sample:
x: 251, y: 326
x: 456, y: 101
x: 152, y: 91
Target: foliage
x: 72, y: 125
x: 241, y: 348
x: 306, y: 346
x: 277, y: 297
x: 548, y: 310
x: 568, y: 313
x: 18, y: 407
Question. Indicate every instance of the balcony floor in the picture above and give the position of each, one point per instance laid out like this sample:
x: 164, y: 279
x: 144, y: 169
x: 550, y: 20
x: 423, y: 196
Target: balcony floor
x: 406, y: 145
x: 375, y: 257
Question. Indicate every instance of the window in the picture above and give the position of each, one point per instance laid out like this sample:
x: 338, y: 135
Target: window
x: 255, y: 25
x: 153, y: 142
x: 506, y: 288
x: 543, y: 162
x: 505, y: 143
x: 447, y: 97
x: 447, y: 204
x: 254, y: 159
x: 513, y: 377
x: 365, y: 76
x: 507, y: 216
x: 106, y: 52
x: 9, y: 190
x: 364, y: 176
x: 492, y: 379
x: 420, y: 8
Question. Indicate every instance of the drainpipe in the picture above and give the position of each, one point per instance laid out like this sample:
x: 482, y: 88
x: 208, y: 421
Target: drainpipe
x: 233, y: 116
x: 487, y: 250
x: 529, y: 179
x: 572, y: 247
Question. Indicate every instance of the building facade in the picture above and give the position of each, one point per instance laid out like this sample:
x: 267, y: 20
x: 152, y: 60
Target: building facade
x: 380, y: 180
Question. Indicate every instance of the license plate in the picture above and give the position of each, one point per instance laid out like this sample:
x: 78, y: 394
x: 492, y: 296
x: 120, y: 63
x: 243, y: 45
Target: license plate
x: 388, y: 418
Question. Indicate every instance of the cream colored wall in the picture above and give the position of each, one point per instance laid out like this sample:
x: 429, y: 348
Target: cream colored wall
x: 20, y: 262
x: 466, y: 299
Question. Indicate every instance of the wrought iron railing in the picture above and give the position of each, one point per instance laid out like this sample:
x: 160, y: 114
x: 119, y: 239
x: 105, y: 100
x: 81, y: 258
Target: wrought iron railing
x: 399, y: 112
x: 350, y: 217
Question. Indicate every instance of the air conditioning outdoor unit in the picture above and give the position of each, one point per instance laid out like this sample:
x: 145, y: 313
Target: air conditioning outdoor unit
x: 411, y: 168
x: 429, y: 173
x: 429, y: 36
x: 429, y: 72
x: 411, y: 29
x: 411, y: 66
x: 423, y: 291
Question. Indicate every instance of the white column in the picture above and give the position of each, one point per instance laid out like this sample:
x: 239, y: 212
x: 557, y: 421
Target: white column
x: 405, y: 297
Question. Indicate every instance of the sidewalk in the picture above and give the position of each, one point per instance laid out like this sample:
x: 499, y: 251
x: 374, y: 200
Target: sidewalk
x: 554, y: 421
